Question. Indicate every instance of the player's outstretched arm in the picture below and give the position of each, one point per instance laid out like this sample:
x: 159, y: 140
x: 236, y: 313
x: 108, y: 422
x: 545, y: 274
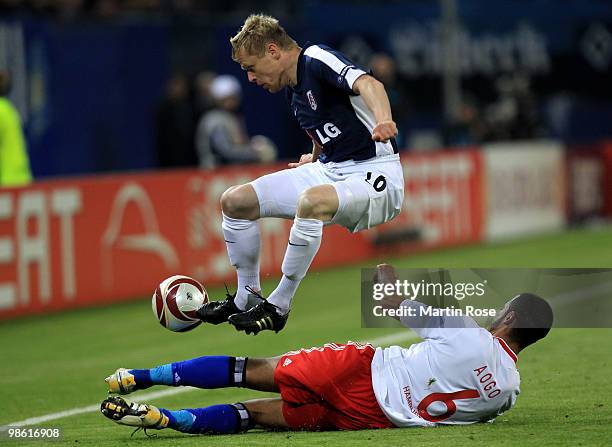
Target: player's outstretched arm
x: 373, y: 93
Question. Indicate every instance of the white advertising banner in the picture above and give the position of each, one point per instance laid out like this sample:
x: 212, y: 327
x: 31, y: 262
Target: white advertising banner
x: 525, y: 188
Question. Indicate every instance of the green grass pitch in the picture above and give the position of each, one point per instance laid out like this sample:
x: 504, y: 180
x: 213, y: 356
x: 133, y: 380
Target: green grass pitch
x: 58, y: 362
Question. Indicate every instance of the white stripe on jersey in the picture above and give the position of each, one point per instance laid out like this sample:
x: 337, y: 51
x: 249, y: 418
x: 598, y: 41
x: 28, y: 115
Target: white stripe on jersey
x: 366, y: 116
x: 332, y: 61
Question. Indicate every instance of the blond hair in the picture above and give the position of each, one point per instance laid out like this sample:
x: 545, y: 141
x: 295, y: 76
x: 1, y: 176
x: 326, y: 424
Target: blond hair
x: 257, y: 31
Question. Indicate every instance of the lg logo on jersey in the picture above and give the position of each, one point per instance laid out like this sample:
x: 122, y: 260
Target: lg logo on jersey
x: 331, y: 131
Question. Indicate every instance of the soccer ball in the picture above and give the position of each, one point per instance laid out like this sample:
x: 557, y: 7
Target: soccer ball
x: 175, y: 302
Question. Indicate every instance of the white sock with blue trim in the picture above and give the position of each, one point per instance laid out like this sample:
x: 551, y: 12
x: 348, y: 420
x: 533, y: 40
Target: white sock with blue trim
x: 243, y: 245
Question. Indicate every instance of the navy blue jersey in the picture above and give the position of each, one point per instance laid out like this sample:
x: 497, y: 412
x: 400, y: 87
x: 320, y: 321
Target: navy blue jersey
x: 330, y: 112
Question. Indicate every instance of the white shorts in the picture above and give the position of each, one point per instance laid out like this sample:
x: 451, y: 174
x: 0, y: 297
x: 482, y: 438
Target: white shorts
x: 370, y: 192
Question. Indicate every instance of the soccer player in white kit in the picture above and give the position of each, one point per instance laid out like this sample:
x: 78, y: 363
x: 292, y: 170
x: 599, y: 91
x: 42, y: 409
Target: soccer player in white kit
x: 460, y: 374
x: 352, y: 178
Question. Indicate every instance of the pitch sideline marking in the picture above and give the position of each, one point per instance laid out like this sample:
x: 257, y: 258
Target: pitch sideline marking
x: 384, y: 340
x: 89, y: 409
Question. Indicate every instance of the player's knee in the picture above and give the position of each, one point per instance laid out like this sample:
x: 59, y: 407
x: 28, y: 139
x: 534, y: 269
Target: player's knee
x: 305, y: 205
x: 312, y: 205
x: 229, y: 201
x: 237, y: 203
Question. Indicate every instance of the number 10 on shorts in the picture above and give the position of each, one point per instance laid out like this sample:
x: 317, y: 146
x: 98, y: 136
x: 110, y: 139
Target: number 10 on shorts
x: 379, y: 184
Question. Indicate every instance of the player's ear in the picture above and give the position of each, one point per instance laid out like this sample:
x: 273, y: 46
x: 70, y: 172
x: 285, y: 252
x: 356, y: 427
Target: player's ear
x: 273, y: 50
x: 510, y: 318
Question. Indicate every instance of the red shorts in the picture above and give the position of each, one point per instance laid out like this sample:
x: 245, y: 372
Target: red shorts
x: 329, y: 388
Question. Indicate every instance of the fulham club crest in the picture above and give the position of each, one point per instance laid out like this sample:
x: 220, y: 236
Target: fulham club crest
x: 311, y: 100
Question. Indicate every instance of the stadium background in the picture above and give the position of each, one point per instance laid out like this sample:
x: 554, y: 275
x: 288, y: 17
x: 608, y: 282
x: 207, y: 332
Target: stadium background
x: 91, y: 230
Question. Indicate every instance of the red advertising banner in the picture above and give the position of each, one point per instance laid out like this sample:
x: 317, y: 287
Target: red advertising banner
x: 79, y: 242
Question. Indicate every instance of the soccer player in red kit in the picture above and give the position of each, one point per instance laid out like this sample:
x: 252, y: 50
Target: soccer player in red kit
x: 460, y: 374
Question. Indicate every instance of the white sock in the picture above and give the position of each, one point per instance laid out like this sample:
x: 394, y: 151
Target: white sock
x: 243, y: 244
x: 304, y: 242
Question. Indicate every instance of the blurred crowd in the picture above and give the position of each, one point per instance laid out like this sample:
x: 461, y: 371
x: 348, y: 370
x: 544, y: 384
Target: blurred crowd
x: 509, y: 112
x: 199, y: 123
x: 504, y: 109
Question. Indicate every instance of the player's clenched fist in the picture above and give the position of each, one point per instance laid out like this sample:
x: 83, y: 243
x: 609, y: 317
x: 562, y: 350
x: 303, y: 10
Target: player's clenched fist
x: 305, y: 158
x: 384, y: 130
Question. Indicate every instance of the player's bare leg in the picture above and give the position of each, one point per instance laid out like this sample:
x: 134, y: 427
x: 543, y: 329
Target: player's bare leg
x: 315, y: 206
x: 267, y: 413
x: 259, y: 374
x: 241, y: 233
